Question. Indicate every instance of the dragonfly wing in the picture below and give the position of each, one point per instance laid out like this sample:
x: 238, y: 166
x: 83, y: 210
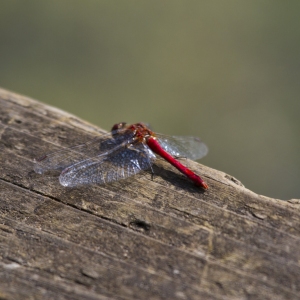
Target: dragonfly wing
x: 119, y: 164
x: 183, y: 146
x: 64, y: 158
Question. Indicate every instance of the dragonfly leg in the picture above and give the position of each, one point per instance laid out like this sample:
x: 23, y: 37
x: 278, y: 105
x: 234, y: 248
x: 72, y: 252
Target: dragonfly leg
x: 152, y: 173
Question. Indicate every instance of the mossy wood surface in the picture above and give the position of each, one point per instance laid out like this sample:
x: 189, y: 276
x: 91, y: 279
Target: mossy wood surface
x: 134, y: 239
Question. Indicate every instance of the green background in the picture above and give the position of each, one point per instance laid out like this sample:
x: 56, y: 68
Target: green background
x: 226, y: 71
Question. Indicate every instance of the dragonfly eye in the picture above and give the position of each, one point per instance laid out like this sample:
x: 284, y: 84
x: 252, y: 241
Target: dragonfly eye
x: 118, y: 126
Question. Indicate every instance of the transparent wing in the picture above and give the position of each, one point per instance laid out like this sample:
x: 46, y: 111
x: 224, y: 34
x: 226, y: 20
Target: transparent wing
x: 98, y: 146
x: 121, y: 162
x: 183, y: 146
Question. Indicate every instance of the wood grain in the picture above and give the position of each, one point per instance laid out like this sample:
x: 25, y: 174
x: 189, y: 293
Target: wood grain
x: 134, y: 239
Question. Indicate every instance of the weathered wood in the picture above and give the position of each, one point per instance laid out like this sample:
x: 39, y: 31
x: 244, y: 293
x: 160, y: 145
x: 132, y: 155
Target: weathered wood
x: 134, y: 239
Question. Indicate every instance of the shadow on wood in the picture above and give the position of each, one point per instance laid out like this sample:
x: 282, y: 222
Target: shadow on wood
x: 133, y: 239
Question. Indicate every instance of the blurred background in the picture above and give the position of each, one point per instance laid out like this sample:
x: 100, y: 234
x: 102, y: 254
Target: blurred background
x: 226, y: 71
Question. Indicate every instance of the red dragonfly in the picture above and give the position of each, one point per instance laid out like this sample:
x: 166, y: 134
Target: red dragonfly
x: 123, y: 152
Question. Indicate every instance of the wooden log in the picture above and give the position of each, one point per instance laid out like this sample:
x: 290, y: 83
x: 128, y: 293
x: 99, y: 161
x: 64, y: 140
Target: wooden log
x: 134, y: 239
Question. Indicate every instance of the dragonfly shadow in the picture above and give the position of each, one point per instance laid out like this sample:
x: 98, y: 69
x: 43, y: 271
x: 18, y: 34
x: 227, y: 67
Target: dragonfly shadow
x: 48, y: 177
x: 175, y: 178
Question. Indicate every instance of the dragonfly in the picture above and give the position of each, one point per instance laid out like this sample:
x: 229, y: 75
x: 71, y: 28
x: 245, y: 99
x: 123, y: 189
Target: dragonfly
x: 123, y: 152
